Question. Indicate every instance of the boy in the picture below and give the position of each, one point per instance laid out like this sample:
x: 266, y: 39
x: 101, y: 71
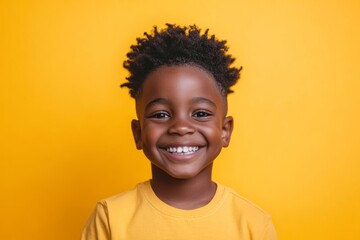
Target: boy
x: 180, y: 79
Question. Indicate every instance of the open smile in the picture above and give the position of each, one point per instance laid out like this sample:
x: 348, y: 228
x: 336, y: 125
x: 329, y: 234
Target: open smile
x: 182, y: 150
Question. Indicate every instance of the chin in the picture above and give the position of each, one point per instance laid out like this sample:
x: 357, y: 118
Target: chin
x: 182, y: 172
x: 187, y: 174
x: 184, y: 176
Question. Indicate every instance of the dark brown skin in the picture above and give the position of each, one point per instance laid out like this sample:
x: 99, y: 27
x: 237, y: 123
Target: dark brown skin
x: 182, y: 106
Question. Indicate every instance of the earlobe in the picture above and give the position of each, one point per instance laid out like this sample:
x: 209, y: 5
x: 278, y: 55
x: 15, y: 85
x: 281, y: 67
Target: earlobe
x: 227, y: 128
x: 136, y: 130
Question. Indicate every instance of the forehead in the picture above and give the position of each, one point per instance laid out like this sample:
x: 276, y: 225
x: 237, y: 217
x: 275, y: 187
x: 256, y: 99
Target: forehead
x: 180, y: 83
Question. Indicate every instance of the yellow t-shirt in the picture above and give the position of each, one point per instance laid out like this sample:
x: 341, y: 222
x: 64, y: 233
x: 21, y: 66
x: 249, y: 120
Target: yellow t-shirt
x: 139, y: 214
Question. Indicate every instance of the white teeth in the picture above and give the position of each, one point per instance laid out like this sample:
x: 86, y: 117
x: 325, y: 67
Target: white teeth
x: 182, y: 150
x: 179, y: 150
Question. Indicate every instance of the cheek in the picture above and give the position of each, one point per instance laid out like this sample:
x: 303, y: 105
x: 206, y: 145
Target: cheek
x: 150, y: 137
x: 213, y: 137
x: 212, y: 134
x: 151, y: 134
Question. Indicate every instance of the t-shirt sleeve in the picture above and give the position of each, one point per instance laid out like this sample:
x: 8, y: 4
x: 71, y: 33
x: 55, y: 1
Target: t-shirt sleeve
x: 97, y: 227
x: 269, y: 232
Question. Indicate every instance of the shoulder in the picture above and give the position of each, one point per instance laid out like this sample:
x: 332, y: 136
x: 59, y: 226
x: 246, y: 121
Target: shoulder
x: 106, y: 211
x: 122, y: 203
x: 121, y: 197
x: 248, y: 213
x: 245, y: 205
x: 249, y: 216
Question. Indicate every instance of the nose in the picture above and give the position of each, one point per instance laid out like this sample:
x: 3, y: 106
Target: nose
x: 181, y: 126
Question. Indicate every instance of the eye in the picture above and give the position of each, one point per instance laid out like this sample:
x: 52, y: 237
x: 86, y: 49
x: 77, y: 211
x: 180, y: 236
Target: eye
x: 201, y: 114
x: 159, y: 115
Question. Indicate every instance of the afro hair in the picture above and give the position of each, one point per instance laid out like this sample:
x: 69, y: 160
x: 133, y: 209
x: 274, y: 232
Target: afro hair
x: 177, y: 45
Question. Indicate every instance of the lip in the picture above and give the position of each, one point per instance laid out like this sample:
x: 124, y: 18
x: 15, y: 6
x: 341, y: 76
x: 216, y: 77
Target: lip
x: 182, y: 157
x: 184, y: 143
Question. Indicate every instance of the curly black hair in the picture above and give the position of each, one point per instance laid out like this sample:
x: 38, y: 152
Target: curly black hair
x: 177, y: 45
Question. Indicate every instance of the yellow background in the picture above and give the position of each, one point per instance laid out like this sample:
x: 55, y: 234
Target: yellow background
x: 65, y: 123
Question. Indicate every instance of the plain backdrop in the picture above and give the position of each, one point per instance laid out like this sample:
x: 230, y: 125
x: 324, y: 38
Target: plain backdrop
x: 65, y: 122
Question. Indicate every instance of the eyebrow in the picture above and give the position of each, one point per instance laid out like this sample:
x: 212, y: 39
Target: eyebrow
x: 166, y: 102
x: 202, y: 99
x: 156, y: 101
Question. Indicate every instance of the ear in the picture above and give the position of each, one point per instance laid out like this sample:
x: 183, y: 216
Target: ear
x: 227, y: 128
x: 136, y: 130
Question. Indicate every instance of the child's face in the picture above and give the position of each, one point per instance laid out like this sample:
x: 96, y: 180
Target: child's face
x: 182, y: 125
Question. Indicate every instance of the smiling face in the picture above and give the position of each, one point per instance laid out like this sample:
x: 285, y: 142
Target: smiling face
x: 182, y: 125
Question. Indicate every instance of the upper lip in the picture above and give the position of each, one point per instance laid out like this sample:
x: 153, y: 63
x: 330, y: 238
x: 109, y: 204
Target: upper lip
x: 182, y: 144
x: 186, y: 145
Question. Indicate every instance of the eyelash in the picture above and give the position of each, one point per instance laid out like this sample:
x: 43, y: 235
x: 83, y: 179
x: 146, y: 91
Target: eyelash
x: 198, y: 114
x: 203, y: 114
x: 159, y: 115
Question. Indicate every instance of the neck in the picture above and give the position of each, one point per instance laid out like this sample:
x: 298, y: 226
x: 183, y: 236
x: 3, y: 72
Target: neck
x: 187, y: 193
